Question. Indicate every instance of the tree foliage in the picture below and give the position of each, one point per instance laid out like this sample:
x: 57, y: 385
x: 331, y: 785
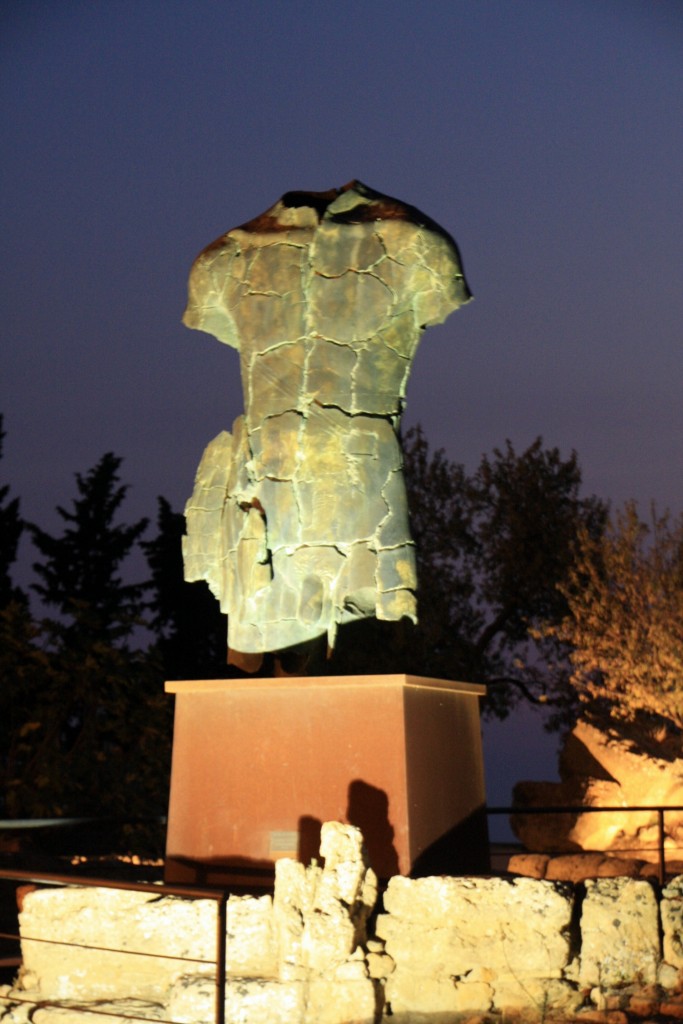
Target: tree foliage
x: 83, y: 732
x: 492, y: 548
x: 624, y: 621
x: 11, y: 529
x: 80, y: 571
x: 87, y: 724
x: 190, y: 629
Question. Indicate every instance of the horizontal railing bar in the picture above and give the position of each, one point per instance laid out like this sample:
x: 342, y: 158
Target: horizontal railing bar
x: 86, y: 1008
x: 107, y: 949
x: 27, y: 824
x: 85, y: 882
x: 578, y: 808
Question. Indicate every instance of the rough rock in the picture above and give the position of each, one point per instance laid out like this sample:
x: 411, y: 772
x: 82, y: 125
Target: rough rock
x: 464, y: 945
x: 574, y: 867
x: 321, y: 913
x: 136, y: 922
x: 320, y: 916
x: 453, y: 925
x: 247, y: 1001
x: 297, y: 958
x: 620, y: 933
x: 601, y: 770
x: 531, y: 865
x: 671, y: 909
x: 535, y: 998
x: 117, y: 1011
x: 341, y: 1001
x: 421, y: 999
x: 577, y: 867
x: 345, y: 896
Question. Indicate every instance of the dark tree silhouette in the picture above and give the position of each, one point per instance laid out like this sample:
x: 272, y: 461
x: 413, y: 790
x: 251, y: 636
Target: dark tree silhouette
x: 11, y: 529
x: 191, y: 631
x: 492, y: 548
x: 90, y: 726
x: 80, y: 570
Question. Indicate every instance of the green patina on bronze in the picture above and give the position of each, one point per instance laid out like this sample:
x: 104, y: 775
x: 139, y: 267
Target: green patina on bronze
x: 298, y: 521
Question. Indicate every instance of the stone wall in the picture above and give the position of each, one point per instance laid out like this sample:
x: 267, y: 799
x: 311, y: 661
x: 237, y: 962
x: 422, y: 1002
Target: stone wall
x: 319, y: 952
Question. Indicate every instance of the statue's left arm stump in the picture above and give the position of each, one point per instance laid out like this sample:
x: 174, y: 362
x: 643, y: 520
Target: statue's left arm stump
x: 259, y: 764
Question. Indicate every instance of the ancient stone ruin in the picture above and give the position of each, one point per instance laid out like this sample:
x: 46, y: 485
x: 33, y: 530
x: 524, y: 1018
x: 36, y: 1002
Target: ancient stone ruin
x: 441, y: 949
x: 603, y: 768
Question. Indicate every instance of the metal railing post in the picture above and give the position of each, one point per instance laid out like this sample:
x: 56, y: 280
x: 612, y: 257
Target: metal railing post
x: 221, y: 947
x: 662, y: 863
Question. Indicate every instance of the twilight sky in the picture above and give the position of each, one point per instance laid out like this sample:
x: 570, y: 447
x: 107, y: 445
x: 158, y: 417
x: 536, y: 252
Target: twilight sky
x: 545, y: 135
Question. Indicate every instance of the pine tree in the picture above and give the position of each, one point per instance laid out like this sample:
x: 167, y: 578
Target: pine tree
x: 11, y: 529
x: 98, y: 738
x: 186, y: 618
x: 80, y: 570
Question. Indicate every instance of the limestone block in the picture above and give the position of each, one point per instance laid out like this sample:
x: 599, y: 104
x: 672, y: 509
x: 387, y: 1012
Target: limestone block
x: 577, y: 867
x: 379, y: 965
x: 269, y: 1001
x: 619, y: 933
x: 295, y: 887
x: 644, y: 1004
x: 531, y: 865
x: 671, y: 1008
x: 251, y: 940
x: 535, y: 998
x: 419, y: 998
x: 11, y: 1011
x: 341, y: 1001
x: 671, y: 910
x: 329, y: 936
x: 452, y: 925
x: 543, y: 833
x: 134, y: 922
x: 326, y: 296
x: 347, y: 872
x: 669, y: 977
x: 192, y: 1000
x: 321, y: 914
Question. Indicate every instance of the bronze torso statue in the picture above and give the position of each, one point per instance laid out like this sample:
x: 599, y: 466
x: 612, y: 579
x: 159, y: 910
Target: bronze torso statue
x: 298, y: 520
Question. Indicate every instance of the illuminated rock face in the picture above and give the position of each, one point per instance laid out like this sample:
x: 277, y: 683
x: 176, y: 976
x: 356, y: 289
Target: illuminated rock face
x: 298, y: 521
x: 602, y: 769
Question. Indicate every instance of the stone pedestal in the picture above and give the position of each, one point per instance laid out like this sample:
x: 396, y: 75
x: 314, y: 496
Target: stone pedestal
x: 259, y: 764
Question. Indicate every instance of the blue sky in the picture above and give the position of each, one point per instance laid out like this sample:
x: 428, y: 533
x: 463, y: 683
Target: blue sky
x: 545, y: 135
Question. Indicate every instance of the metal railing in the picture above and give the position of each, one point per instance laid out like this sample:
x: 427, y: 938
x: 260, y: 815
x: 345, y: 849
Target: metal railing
x: 577, y: 809
x: 220, y: 897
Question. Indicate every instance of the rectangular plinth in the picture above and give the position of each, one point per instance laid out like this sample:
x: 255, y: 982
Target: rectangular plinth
x: 259, y: 764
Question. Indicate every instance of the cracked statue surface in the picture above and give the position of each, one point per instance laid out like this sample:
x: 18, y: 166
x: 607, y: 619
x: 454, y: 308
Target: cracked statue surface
x: 299, y: 521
